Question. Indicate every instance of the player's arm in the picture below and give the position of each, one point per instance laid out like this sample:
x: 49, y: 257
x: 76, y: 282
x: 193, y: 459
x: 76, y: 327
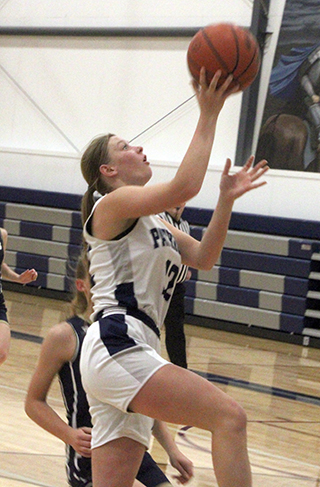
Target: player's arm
x: 204, y: 254
x: 9, y: 274
x: 187, y: 182
x: 177, y: 459
x: 4, y: 341
x: 58, y: 347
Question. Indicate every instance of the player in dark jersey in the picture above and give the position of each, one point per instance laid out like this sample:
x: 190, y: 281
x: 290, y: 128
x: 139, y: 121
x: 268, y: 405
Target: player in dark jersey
x: 60, y: 354
x: 10, y: 275
x: 175, y: 317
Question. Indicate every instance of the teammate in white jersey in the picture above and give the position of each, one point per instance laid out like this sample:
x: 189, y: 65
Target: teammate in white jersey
x: 135, y: 258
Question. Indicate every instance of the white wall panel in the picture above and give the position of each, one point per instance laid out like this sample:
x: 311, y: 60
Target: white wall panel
x: 124, y: 13
x: 57, y: 93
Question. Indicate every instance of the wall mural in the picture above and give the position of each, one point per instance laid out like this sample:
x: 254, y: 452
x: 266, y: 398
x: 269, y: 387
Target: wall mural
x: 290, y: 131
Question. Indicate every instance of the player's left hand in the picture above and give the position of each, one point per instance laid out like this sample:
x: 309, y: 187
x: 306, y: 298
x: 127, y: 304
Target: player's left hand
x: 235, y: 185
x: 184, y: 467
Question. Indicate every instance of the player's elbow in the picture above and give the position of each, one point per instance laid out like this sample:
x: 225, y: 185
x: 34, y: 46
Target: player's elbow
x: 29, y: 407
x: 206, y: 264
x: 185, y: 190
x: 205, y: 267
x: 191, y: 189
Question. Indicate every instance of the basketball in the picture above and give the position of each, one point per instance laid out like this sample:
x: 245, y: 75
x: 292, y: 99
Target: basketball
x: 228, y: 47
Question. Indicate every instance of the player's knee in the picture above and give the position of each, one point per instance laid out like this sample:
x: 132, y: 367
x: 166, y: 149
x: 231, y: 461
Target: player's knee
x: 3, y: 356
x: 240, y: 417
x: 236, y: 418
x: 231, y: 419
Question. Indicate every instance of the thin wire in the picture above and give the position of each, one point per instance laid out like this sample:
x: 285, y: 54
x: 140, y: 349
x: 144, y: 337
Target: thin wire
x: 39, y: 108
x: 162, y: 118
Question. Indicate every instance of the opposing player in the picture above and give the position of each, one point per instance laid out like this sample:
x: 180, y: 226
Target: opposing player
x: 7, y: 273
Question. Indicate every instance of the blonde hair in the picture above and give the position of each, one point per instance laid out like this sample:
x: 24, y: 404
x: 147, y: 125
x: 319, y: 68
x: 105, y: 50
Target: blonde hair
x: 79, y: 302
x: 94, y: 156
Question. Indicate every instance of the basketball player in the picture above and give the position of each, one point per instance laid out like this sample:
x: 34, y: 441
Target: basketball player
x: 10, y: 275
x: 135, y: 258
x: 60, y: 355
x: 174, y: 320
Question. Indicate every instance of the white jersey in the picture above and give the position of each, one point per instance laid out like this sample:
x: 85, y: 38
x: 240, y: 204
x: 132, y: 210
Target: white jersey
x: 136, y: 271
x: 184, y: 226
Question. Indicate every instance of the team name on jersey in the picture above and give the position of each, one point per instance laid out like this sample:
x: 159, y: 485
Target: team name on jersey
x: 163, y: 238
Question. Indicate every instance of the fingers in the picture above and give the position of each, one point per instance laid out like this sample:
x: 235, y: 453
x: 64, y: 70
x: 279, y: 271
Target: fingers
x: 262, y: 165
x: 227, y: 167
x: 224, y: 87
x: 256, y: 172
x: 28, y: 276
x: 259, y: 169
x: 249, y: 163
x: 34, y: 274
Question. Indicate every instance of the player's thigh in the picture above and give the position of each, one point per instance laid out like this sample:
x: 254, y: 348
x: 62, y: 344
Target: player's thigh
x: 177, y: 395
x: 117, y: 463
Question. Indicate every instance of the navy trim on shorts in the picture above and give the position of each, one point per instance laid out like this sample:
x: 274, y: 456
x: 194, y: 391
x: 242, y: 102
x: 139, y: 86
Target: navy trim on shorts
x: 114, y: 333
x: 140, y: 315
x: 120, y: 329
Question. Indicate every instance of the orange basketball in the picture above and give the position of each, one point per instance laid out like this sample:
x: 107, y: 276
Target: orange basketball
x: 228, y: 47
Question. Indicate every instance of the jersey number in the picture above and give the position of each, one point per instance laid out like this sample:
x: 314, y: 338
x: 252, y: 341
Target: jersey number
x: 172, y: 272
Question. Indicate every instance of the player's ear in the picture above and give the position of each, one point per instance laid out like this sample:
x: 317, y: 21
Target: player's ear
x: 108, y: 170
x: 80, y: 285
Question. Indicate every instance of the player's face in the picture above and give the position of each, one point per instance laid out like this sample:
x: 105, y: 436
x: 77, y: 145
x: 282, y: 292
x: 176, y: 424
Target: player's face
x: 132, y: 164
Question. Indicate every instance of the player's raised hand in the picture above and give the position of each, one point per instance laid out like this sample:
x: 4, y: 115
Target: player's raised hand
x: 247, y: 178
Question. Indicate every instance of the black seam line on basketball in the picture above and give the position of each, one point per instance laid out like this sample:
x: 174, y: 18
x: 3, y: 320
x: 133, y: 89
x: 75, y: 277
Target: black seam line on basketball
x: 215, y: 52
x: 256, y: 52
x: 237, y: 47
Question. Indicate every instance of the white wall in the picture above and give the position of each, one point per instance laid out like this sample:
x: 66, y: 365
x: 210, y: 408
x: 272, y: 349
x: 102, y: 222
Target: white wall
x: 57, y: 93
x: 123, y: 13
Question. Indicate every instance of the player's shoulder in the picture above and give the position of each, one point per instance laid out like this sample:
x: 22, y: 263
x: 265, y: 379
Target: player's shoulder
x: 61, y: 339
x: 4, y: 233
x: 60, y: 332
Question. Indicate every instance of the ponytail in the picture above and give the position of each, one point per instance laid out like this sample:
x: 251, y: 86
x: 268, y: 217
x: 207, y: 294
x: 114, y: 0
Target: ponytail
x: 87, y: 203
x: 79, y: 302
x: 93, y: 157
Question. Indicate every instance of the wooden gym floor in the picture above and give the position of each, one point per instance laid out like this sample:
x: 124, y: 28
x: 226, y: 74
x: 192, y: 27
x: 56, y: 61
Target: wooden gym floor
x: 277, y: 383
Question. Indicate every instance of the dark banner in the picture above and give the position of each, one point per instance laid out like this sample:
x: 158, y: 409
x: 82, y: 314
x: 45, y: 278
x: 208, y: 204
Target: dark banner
x: 290, y: 131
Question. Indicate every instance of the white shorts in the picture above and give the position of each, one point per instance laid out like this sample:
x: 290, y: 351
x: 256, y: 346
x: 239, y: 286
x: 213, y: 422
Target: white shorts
x: 119, y: 354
